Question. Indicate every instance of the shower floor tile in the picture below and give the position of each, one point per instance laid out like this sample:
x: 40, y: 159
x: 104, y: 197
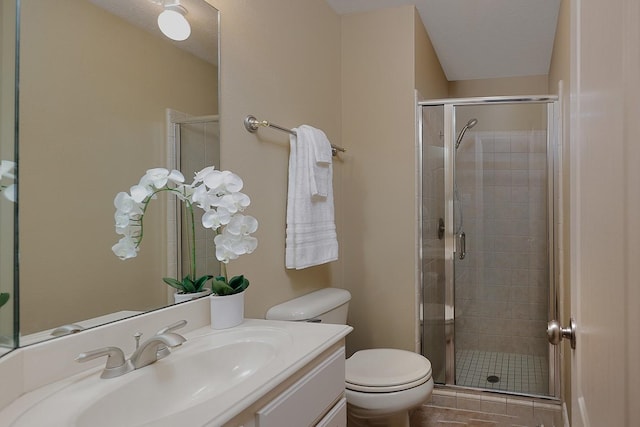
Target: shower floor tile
x: 518, y: 373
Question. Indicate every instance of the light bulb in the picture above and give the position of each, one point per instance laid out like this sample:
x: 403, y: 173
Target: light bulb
x: 173, y: 24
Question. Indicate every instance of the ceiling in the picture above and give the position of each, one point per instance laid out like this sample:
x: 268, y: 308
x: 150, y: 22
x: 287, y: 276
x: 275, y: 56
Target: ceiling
x: 479, y: 39
x: 203, y: 18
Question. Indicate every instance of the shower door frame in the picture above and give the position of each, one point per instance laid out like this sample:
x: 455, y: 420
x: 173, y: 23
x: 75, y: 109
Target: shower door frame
x: 450, y: 242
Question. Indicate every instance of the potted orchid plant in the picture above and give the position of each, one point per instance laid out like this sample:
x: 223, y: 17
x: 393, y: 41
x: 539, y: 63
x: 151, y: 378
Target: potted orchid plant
x: 218, y: 194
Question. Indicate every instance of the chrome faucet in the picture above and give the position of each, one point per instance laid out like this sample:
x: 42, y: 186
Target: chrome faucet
x: 147, y: 353
x: 116, y: 365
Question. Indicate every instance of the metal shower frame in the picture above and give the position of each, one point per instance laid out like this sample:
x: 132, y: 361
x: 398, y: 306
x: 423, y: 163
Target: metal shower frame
x: 553, y: 143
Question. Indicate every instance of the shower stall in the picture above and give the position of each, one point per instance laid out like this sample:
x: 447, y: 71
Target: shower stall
x: 193, y: 143
x: 487, y: 242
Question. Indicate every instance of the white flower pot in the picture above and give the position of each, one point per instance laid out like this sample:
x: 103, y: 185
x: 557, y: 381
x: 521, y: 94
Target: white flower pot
x: 177, y: 297
x: 226, y: 311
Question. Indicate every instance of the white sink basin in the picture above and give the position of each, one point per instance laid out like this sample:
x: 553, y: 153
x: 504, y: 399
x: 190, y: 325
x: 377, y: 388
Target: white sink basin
x: 171, y: 386
x: 210, y: 379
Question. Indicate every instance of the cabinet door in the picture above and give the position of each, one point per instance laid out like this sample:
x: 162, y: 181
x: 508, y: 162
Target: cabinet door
x: 308, y: 399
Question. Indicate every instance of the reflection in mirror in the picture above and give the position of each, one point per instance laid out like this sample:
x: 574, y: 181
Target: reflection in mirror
x: 197, y: 146
x: 8, y: 207
x: 99, y: 90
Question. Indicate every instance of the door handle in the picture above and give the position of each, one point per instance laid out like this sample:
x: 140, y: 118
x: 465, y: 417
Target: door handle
x: 440, y: 229
x: 463, y: 245
x: 555, y: 332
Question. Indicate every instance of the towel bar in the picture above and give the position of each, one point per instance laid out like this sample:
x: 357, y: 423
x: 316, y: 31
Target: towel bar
x: 252, y: 124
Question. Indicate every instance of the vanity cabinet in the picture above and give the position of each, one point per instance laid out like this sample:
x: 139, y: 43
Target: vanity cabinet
x: 314, y: 396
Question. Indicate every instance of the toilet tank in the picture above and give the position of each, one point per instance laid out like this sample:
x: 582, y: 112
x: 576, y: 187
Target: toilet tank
x: 329, y: 305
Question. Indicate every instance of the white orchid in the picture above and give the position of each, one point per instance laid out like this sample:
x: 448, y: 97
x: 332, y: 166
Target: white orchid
x: 159, y: 177
x: 218, y: 194
x: 7, y: 168
x: 125, y: 248
x: 10, y: 192
x: 242, y: 225
x: 231, y: 246
x: 223, y: 181
x: 126, y: 204
x: 234, y: 202
x: 215, y: 218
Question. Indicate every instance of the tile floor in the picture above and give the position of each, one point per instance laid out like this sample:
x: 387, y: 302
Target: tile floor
x: 431, y: 416
x: 518, y: 373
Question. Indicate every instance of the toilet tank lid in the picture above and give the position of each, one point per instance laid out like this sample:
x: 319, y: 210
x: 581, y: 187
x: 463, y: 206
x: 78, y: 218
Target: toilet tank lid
x: 310, y: 305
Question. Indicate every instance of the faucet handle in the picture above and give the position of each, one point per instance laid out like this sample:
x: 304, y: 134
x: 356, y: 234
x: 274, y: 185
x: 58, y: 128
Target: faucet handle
x: 163, y: 350
x: 172, y: 327
x: 116, y: 364
x: 137, y: 337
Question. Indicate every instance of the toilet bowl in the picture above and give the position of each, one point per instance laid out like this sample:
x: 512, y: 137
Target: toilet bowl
x: 381, y: 385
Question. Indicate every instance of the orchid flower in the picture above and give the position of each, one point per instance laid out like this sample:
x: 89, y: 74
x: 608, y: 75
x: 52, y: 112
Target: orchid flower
x: 7, y: 168
x: 218, y: 194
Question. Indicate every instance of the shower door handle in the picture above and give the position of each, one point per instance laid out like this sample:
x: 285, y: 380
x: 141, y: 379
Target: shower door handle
x: 463, y: 245
x: 555, y: 332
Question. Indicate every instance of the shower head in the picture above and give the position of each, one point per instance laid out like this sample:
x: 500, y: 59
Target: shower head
x: 471, y: 123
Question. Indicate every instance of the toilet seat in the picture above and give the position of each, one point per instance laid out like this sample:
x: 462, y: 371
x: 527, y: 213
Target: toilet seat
x: 385, y: 370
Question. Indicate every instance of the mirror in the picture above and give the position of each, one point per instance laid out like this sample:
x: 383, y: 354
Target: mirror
x: 99, y: 89
x: 8, y: 209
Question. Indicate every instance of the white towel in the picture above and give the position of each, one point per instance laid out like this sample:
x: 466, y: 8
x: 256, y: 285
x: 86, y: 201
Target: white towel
x: 311, y: 231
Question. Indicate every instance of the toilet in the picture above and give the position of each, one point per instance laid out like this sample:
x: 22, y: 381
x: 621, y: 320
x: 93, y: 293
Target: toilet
x: 382, y: 385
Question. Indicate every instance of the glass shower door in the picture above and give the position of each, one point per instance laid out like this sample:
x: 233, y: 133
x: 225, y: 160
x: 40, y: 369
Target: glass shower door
x: 433, y: 247
x: 502, y: 259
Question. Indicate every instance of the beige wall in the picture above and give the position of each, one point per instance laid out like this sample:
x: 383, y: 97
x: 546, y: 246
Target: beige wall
x: 560, y: 71
x: 503, y: 86
x: 524, y: 117
x: 84, y: 138
x: 378, y: 78
x: 430, y: 81
x: 329, y: 76
x: 280, y: 62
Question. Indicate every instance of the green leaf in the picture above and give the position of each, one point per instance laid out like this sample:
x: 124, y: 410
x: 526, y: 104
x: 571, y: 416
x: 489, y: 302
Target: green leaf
x: 4, y: 297
x: 188, y: 286
x: 236, y: 285
x: 220, y: 287
x: 236, y: 281
x: 239, y: 283
x: 201, y: 281
x: 173, y: 283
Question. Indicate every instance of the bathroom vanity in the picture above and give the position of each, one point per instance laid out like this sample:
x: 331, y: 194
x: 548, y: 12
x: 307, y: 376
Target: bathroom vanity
x: 261, y: 373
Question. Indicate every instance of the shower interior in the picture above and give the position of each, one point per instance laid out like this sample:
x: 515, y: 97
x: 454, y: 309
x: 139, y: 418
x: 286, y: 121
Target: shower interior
x: 193, y: 144
x: 487, y: 280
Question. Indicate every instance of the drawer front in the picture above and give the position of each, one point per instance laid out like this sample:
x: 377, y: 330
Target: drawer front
x: 337, y: 417
x: 309, y: 398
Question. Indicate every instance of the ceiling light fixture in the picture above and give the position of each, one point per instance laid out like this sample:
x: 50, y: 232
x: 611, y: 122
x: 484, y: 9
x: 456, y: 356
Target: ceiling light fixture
x: 172, y: 22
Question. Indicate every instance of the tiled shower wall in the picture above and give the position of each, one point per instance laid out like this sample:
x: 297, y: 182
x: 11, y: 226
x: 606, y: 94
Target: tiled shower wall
x: 502, y: 285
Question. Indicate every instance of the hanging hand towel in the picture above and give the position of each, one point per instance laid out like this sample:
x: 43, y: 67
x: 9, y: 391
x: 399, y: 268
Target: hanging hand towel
x: 311, y: 231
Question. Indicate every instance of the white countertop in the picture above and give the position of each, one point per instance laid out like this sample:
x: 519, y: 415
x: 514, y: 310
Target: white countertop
x: 303, y: 343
